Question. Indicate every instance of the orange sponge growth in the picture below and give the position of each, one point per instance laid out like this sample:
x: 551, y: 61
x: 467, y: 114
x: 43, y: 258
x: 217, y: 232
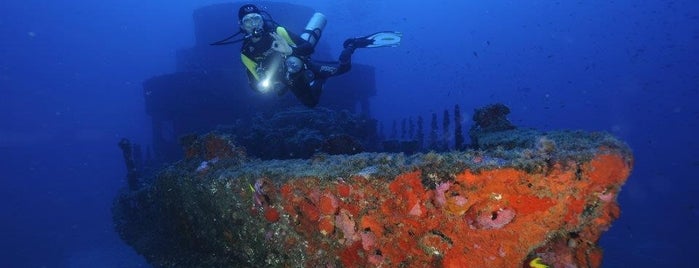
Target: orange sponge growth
x: 487, y: 218
x: 491, y: 207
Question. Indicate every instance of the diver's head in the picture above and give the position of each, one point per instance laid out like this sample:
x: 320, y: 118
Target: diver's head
x: 250, y: 19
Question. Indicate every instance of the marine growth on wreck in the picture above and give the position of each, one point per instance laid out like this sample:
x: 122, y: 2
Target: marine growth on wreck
x: 514, y: 198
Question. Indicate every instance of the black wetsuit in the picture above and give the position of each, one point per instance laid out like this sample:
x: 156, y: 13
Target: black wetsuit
x: 307, y: 84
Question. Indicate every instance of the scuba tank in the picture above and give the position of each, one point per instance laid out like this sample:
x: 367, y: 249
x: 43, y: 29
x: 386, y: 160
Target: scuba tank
x: 311, y: 33
x: 294, y: 65
x: 314, y: 28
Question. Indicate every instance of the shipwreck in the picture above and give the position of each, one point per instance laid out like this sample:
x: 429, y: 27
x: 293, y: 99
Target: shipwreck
x: 515, y: 197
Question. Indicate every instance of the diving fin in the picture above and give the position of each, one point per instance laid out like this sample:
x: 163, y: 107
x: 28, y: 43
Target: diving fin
x: 380, y: 39
x: 385, y: 39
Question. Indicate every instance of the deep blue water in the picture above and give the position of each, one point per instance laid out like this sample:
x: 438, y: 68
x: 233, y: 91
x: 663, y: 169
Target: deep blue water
x: 71, y: 73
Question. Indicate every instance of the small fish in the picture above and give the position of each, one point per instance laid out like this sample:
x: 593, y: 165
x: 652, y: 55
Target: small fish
x: 537, y: 263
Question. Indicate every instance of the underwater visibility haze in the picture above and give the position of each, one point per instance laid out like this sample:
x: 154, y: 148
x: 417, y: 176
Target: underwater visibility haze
x: 76, y: 77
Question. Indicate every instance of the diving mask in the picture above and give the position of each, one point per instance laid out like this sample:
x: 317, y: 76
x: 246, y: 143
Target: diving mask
x: 252, y: 23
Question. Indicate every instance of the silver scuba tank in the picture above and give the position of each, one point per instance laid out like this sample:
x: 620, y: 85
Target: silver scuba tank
x: 314, y: 28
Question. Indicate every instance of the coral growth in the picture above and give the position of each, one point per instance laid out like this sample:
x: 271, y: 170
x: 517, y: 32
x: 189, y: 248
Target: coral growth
x: 491, y: 218
x: 460, y: 209
x: 492, y: 118
x: 300, y: 133
x: 211, y: 147
x: 342, y: 144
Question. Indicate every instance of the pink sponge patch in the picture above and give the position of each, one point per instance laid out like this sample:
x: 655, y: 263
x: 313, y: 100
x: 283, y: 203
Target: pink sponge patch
x: 439, y: 196
x: 495, y: 220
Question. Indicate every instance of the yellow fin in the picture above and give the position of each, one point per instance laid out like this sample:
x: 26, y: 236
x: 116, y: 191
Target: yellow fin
x: 250, y: 65
x: 536, y: 263
x: 281, y: 31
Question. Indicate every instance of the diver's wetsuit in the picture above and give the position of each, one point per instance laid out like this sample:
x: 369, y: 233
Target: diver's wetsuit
x: 307, y: 85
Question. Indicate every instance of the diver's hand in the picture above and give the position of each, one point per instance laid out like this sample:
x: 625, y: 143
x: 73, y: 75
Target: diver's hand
x: 280, y: 45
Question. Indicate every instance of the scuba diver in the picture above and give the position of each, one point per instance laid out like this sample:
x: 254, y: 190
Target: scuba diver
x: 278, y: 60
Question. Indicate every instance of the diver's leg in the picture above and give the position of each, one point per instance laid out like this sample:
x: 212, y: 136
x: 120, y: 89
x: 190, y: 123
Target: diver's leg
x: 308, y: 88
x: 325, y: 69
x: 345, y: 62
x: 318, y: 73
